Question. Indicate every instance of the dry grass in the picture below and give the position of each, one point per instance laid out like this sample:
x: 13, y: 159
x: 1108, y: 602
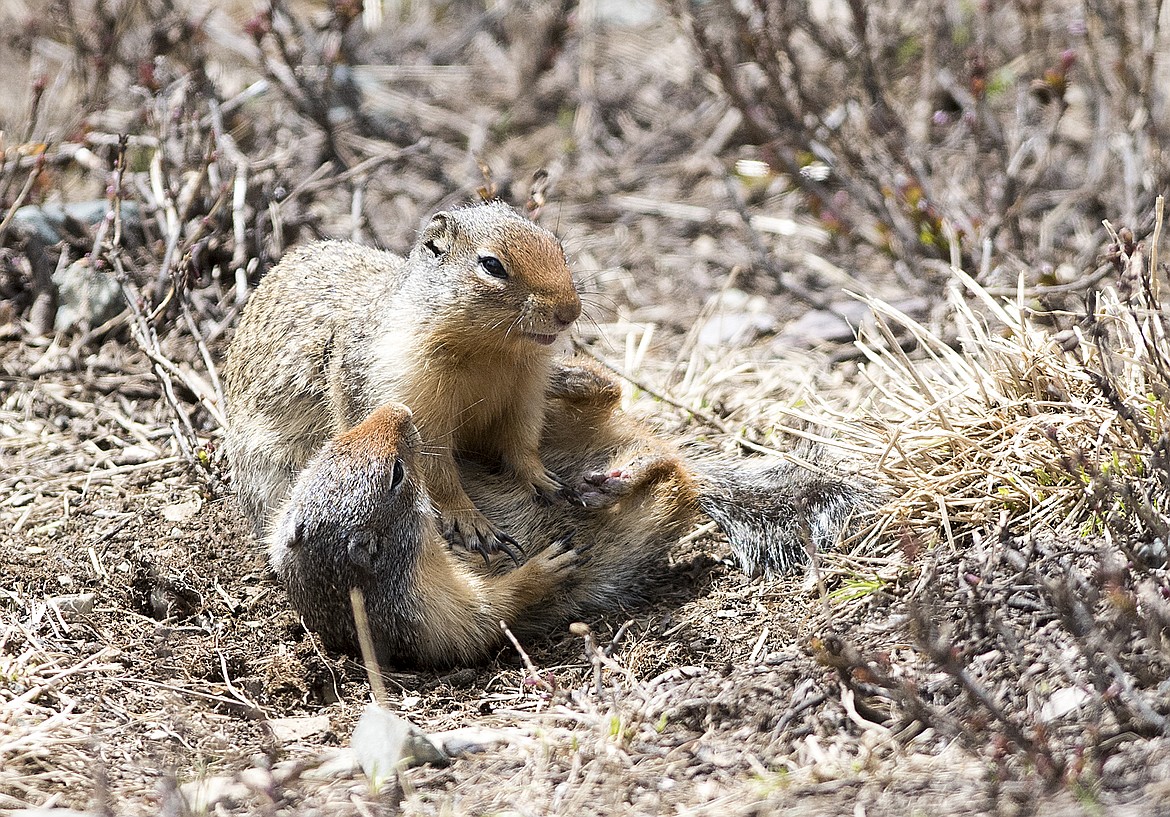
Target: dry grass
x: 1004, y: 420
x: 996, y: 643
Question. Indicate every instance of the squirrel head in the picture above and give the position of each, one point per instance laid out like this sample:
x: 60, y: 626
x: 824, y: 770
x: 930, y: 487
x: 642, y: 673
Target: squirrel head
x: 358, y: 498
x: 357, y: 518
x: 506, y: 274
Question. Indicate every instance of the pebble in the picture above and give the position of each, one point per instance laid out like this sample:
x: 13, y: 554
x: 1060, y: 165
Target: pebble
x: 385, y: 743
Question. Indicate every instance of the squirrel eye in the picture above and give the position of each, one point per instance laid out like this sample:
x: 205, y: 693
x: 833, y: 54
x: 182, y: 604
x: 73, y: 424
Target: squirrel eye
x: 493, y: 267
x: 398, y: 474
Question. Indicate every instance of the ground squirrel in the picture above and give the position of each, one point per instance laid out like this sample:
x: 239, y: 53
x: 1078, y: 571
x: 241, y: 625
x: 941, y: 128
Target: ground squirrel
x: 460, y: 330
x: 639, y: 495
x: 359, y: 517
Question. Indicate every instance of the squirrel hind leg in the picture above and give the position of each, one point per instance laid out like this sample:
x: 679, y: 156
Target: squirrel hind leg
x: 645, y: 470
x: 582, y: 381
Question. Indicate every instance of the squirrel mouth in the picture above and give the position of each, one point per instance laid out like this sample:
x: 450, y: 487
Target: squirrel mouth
x: 543, y: 340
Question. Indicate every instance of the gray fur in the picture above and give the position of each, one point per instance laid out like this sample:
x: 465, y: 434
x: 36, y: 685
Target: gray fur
x: 775, y: 514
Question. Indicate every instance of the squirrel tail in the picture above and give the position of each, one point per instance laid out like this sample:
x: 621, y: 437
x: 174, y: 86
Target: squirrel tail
x: 777, y: 513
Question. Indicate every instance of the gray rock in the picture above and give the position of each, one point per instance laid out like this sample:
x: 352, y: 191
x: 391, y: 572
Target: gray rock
x: 74, y: 605
x: 825, y: 326
x: 839, y: 323
x: 51, y: 222
x: 467, y: 740
x: 290, y: 730
x: 1062, y: 702
x: 204, y: 794
x: 85, y: 296
x: 628, y: 13
x: 385, y: 743
x: 33, y: 220
x: 736, y: 319
x: 335, y: 764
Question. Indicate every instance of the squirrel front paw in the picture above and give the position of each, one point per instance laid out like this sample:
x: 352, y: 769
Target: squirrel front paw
x: 550, y: 488
x: 472, y: 530
x: 562, y: 556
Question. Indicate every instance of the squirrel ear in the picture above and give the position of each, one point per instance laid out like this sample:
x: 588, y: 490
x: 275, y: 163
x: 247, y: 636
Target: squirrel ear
x: 290, y: 530
x: 438, y: 236
x: 361, y: 551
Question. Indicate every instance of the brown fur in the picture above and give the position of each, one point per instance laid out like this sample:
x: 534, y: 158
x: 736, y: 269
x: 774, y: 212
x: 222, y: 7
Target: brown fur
x: 429, y: 607
x: 639, y: 497
x: 336, y: 330
x: 359, y: 517
x: 342, y: 527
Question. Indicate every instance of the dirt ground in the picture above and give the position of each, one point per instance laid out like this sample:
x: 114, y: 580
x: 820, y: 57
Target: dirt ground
x: 150, y: 663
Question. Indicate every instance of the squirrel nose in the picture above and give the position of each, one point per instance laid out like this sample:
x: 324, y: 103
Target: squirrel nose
x: 566, y: 313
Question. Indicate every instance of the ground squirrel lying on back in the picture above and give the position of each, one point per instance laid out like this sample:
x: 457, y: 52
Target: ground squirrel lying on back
x: 371, y: 528
x: 460, y: 330
x: 359, y: 517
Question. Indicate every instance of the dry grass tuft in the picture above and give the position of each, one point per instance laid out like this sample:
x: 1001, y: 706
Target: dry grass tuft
x: 1002, y: 421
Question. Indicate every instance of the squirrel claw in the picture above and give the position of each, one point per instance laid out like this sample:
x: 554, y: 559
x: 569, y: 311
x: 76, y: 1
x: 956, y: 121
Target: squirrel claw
x: 564, y: 555
x: 496, y: 542
x: 510, y: 546
x: 581, y: 550
x: 553, y: 489
x: 571, y: 495
x: 484, y: 541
